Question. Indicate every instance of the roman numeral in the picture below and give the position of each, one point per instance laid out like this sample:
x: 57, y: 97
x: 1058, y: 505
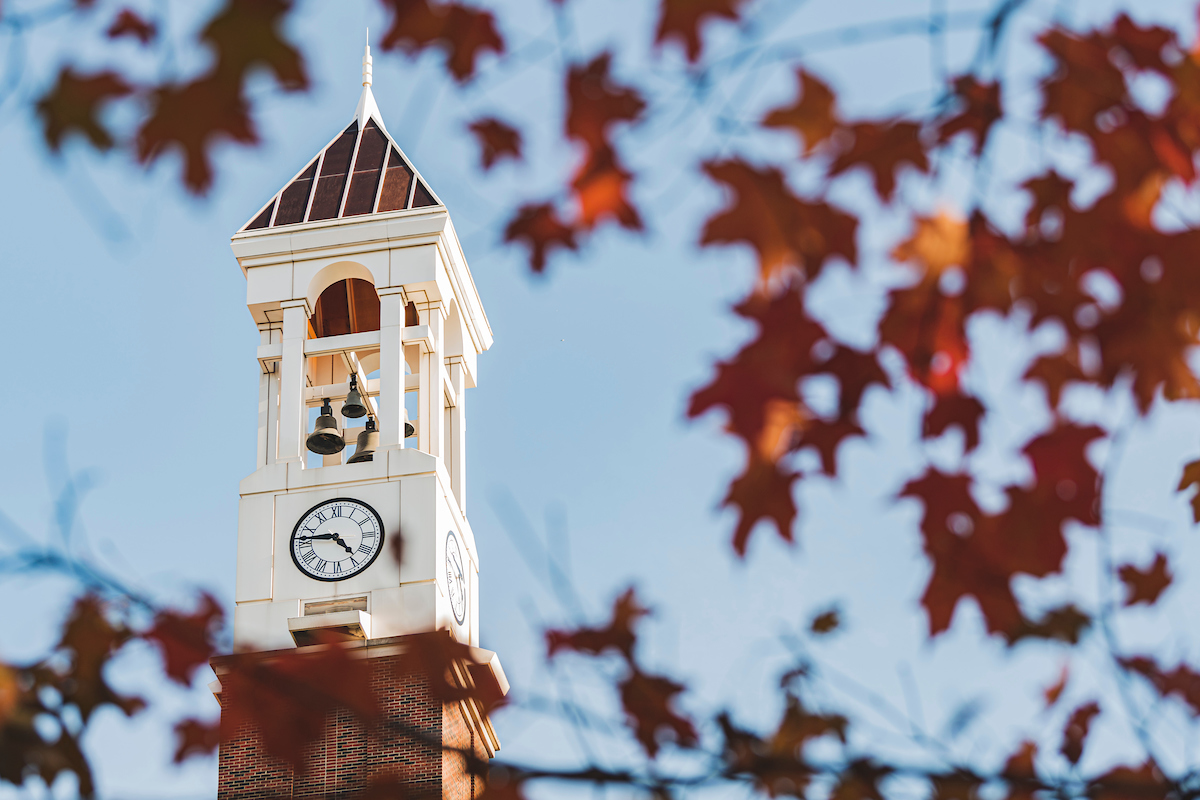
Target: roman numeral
x: 337, y: 567
x: 337, y: 511
x: 321, y: 516
x: 308, y: 556
x: 364, y: 548
x: 320, y: 565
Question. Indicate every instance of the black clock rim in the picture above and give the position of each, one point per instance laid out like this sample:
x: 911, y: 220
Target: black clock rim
x: 450, y: 535
x: 304, y: 516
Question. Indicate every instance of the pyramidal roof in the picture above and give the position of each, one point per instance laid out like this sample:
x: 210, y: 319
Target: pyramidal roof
x: 361, y: 171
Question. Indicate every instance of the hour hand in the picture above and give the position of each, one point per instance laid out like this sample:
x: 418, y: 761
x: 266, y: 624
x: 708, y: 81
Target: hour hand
x: 339, y: 540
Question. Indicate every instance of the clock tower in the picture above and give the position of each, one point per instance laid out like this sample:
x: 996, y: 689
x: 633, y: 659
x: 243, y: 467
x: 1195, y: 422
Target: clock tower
x: 353, y: 525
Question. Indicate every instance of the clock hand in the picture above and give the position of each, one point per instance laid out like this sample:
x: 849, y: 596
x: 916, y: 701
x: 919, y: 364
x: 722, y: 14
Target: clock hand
x: 342, y: 542
x: 318, y: 536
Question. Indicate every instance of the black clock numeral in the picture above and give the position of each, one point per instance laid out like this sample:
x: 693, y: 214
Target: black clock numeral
x: 337, y: 567
x: 337, y: 511
x: 321, y: 516
x: 364, y: 548
x: 320, y: 565
x: 308, y: 556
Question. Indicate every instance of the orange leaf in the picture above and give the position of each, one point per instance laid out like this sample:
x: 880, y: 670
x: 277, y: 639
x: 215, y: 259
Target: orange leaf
x: 616, y: 635
x: 595, y: 102
x: 73, y: 106
x: 602, y: 190
x: 1144, y: 586
x: 784, y: 230
x: 464, y: 33
x: 129, y: 23
x: 1054, y: 692
x: 681, y: 20
x: 1076, y: 731
x: 883, y: 149
x: 938, y: 243
x: 812, y: 117
x: 648, y: 700
x: 541, y: 228
x: 497, y: 140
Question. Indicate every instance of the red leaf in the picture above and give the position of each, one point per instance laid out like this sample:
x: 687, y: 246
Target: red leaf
x: 1144, y: 586
x: 855, y: 371
x: 1126, y: 783
x: 497, y: 140
x: 246, y: 35
x: 616, y: 635
x: 541, y: 228
x: 784, y: 230
x: 981, y: 109
x: 826, y: 437
x: 883, y: 149
x: 1076, y: 731
x: 1055, y: 372
x: 954, y: 409
x: 681, y: 20
x: 464, y: 33
x: 812, y: 117
x: 648, y: 701
x: 953, y: 529
x: 860, y: 781
x: 602, y: 191
x: 825, y: 622
x: 91, y: 640
x: 1062, y: 624
x: 595, y: 103
x: 196, y: 738
x: 1190, y: 478
x: 287, y: 694
x: 1021, y: 773
x: 1182, y: 681
x: 187, y: 640
x: 129, y: 23
x: 762, y: 491
x: 1085, y: 82
x: 435, y: 656
x: 73, y: 106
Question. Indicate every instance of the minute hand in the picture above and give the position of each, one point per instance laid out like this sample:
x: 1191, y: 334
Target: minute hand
x: 318, y: 536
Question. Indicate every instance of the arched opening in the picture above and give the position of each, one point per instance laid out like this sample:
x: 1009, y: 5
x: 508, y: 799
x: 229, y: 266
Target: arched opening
x: 346, y: 306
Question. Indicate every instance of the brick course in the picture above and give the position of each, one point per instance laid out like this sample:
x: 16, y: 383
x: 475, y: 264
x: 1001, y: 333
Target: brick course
x: 350, y: 757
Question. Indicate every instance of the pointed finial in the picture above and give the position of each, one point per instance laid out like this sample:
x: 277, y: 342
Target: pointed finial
x: 367, y: 61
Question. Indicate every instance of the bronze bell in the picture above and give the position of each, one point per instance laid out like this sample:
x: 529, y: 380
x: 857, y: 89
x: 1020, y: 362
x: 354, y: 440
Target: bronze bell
x: 368, y: 440
x: 354, y: 407
x: 409, y: 430
x: 325, y: 438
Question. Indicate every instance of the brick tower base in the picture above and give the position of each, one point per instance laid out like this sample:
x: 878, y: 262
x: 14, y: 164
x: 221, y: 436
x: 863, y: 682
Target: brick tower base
x: 351, y: 757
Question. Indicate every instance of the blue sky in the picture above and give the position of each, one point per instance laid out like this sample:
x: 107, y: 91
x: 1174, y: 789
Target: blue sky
x: 129, y: 340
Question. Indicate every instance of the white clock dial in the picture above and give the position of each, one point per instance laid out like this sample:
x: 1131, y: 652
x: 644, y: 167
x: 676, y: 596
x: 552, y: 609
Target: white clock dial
x: 456, y: 578
x: 337, y: 539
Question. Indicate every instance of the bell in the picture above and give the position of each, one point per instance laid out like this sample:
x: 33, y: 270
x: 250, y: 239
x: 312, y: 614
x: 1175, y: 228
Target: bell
x: 368, y: 440
x: 409, y: 430
x: 325, y: 438
x: 353, y: 406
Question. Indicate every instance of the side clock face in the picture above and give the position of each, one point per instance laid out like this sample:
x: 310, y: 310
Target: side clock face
x: 337, y: 539
x: 456, y: 578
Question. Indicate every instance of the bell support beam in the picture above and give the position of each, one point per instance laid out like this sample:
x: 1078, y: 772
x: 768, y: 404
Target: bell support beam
x: 268, y: 400
x: 458, y: 432
x: 292, y: 413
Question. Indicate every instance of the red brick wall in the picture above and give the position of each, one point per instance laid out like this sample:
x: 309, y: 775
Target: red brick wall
x: 350, y: 757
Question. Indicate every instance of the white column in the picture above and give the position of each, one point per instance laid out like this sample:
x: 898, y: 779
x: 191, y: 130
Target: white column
x: 433, y: 370
x: 391, y: 368
x: 293, y: 414
x: 458, y: 433
x: 268, y: 402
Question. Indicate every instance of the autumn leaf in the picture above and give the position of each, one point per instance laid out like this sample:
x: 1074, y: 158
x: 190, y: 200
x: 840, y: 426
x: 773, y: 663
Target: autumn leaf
x: 74, y: 104
x: 980, y: 111
x: 1190, y: 478
x: 1064, y: 623
x: 648, y: 701
x: 763, y: 491
x: 959, y: 784
x: 784, y: 230
x: 129, y: 23
x: 1053, y: 692
x: 1145, y: 586
x: 602, y: 192
x: 826, y: 622
x: 187, y: 640
x: 435, y: 656
x: 883, y: 148
x: 1182, y: 682
x: 812, y: 117
x: 541, y: 228
x: 464, y: 33
x: 246, y: 35
x: 191, y: 119
x: 616, y: 635
x: 596, y: 102
x: 681, y: 20
x: 1076, y: 731
x: 1021, y: 773
x: 1127, y: 783
x: 1055, y: 372
x: 196, y: 738
x: 1084, y: 83
x: 497, y: 140
x: 860, y: 781
x: 938, y: 243
x: 826, y: 436
x: 90, y: 640
x: 954, y: 410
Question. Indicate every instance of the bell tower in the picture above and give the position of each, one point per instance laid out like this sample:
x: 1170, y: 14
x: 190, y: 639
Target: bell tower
x: 354, y: 523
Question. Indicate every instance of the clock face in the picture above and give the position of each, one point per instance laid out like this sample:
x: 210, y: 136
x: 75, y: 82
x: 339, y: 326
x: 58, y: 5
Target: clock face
x: 456, y: 578
x: 337, y: 539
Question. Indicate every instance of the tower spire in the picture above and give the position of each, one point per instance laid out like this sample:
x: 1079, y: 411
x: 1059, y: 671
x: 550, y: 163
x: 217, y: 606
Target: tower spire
x: 366, y: 64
